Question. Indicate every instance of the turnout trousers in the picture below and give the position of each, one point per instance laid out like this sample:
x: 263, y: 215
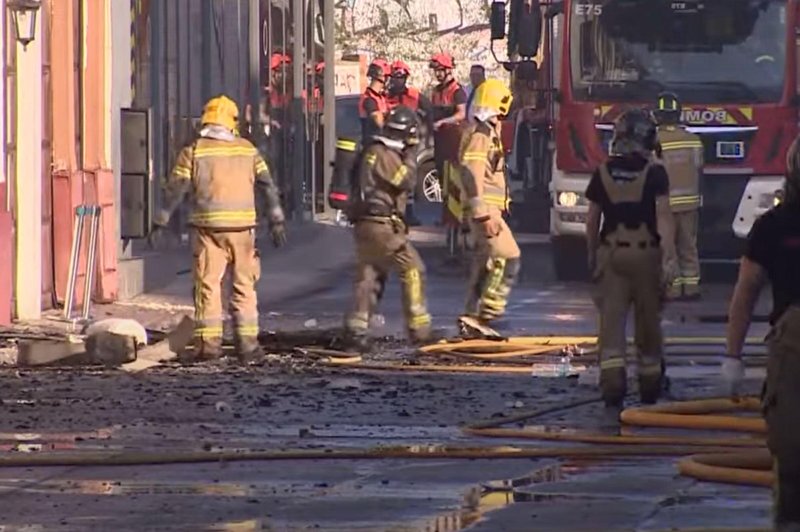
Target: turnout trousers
x: 628, y: 275
x: 685, y: 262
x: 493, y: 271
x: 781, y: 406
x: 382, y: 247
x: 214, y: 252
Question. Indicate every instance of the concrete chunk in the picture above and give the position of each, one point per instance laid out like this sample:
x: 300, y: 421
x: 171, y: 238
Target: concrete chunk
x: 48, y: 352
x: 111, y: 349
x: 176, y: 342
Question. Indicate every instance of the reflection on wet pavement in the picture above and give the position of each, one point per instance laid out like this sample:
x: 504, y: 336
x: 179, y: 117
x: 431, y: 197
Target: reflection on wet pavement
x: 629, y: 494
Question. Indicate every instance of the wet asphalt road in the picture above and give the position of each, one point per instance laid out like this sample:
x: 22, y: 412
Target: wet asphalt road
x: 286, y: 405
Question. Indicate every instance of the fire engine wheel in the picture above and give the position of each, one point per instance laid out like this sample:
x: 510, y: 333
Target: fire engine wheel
x: 429, y: 186
x: 570, y: 258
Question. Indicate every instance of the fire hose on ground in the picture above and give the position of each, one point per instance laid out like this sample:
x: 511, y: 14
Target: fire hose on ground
x: 739, y: 460
x: 750, y: 467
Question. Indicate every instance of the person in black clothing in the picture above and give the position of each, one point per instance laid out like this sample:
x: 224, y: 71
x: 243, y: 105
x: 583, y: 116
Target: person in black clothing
x: 630, y: 193
x: 773, y: 255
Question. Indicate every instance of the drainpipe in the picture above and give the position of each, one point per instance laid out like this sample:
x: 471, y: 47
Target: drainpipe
x: 66, y: 172
x: 28, y: 194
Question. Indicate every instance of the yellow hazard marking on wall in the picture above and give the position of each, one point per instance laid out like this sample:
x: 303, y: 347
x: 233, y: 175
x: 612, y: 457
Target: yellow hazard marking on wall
x: 747, y: 112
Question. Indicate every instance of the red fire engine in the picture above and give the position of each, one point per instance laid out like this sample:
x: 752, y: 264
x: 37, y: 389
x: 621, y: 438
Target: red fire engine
x: 733, y: 64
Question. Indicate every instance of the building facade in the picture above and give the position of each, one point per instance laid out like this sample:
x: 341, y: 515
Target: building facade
x: 61, y: 98
x: 95, y: 107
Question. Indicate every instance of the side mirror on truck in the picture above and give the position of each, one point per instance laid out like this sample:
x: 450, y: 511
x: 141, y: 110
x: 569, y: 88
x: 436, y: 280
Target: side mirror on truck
x: 555, y: 9
x: 525, y: 34
x: 497, y: 20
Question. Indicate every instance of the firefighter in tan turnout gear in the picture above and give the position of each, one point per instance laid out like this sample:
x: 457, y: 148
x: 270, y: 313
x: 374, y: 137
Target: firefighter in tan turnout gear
x: 682, y: 155
x: 221, y: 171
x: 385, y: 174
x: 496, y: 259
x: 630, y: 194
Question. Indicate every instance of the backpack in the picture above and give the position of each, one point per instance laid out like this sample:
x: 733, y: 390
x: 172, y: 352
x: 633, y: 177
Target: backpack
x: 344, y: 193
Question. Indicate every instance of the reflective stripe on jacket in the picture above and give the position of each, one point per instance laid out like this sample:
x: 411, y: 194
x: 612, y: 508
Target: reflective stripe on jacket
x: 223, y: 176
x: 483, y: 177
x: 682, y: 155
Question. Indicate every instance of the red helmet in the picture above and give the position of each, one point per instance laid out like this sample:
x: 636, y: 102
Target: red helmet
x: 399, y: 68
x: 442, y: 60
x: 278, y: 59
x: 379, y: 68
x: 320, y: 67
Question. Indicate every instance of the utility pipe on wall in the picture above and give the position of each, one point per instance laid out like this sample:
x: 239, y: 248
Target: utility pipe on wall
x: 28, y: 183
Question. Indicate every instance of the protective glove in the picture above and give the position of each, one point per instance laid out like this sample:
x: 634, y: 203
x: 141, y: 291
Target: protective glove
x: 155, y: 236
x: 732, y: 375
x: 277, y: 232
x: 669, y: 273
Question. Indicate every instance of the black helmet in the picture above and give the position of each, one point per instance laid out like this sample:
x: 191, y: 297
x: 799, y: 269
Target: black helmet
x: 634, y: 132
x: 668, y: 108
x: 401, y: 124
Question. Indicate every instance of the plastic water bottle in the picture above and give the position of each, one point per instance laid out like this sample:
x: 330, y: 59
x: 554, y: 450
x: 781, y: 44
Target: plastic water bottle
x: 564, y: 366
x: 560, y: 368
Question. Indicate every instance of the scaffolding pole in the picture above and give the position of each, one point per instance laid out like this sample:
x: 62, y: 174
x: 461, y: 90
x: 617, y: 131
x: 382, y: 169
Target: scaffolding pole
x: 329, y: 94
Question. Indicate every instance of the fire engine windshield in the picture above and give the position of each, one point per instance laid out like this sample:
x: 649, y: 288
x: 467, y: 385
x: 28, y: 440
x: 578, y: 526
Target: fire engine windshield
x: 706, y: 51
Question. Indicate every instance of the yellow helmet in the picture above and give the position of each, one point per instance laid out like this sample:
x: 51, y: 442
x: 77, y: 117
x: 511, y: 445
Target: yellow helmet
x: 221, y: 111
x: 492, y: 98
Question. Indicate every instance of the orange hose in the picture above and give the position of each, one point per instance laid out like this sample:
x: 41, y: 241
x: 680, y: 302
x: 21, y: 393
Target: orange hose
x: 752, y: 468
x: 611, y: 439
x: 695, y: 415
x: 135, y: 457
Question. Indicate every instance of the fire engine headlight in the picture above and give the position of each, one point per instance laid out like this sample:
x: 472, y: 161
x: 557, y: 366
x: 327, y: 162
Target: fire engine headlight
x: 568, y: 199
x: 770, y: 200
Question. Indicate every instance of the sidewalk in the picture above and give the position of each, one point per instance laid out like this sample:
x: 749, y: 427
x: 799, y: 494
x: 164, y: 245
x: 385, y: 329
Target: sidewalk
x: 315, y: 258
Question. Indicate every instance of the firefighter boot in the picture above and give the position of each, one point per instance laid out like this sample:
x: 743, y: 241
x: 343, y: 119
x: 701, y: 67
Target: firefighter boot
x: 248, y: 350
x: 420, y: 336
x: 426, y: 336
x: 357, y: 341
x: 691, y: 292
x: 609, y: 419
x: 471, y: 327
x: 613, y: 386
x: 673, y: 292
x: 650, y: 388
x: 205, y: 350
